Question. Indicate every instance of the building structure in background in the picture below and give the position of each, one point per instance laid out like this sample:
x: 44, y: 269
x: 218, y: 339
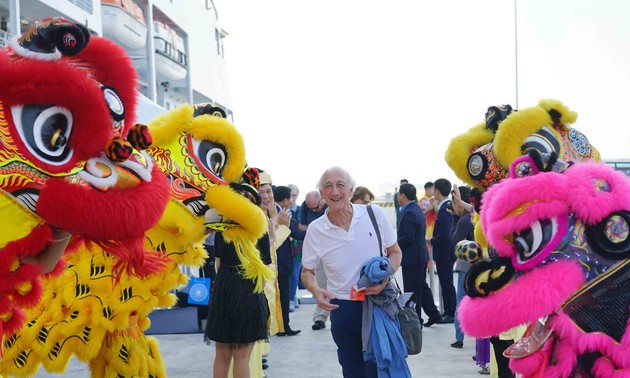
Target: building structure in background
x: 622, y: 165
x: 176, y: 46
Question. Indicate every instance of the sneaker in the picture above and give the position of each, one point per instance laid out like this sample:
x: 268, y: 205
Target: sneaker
x: 457, y: 344
x: 318, y: 325
x: 484, y: 370
x: 291, y: 306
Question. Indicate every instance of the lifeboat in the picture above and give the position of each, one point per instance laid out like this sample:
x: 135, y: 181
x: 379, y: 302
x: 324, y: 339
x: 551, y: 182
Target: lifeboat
x: 123, y: 22
x: 171, y: 60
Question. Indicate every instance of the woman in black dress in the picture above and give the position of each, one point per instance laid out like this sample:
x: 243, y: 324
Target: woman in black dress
x: 237, y: 316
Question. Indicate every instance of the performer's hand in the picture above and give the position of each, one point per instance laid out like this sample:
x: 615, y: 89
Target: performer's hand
x: 51, y: 254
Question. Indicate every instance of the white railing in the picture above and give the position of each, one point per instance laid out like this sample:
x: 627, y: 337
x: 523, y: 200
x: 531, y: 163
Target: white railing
x: 5, y: 37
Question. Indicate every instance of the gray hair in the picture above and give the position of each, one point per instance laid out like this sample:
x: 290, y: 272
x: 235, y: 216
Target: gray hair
x: 349, y: 180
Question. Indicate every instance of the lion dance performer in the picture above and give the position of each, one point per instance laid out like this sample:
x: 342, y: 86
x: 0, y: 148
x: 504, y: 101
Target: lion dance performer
x: 72, y: 160
x: 203, y: 157
x: 561, y: 260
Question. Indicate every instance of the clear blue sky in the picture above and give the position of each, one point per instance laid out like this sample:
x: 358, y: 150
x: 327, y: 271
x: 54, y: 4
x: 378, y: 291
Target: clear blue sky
x: 380, y: 87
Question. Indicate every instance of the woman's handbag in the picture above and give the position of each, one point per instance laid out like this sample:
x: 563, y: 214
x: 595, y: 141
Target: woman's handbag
x: 410, y: 327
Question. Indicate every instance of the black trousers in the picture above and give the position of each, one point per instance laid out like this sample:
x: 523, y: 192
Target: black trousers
x: 415, y: 281
x: 445, y: 275
x: 283, y: 287
x: 502, y: 362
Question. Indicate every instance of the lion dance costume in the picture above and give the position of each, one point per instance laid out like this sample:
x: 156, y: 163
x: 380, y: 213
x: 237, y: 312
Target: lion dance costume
x: 71, y: 159
x: 558, y: 235
x: 105, y: 309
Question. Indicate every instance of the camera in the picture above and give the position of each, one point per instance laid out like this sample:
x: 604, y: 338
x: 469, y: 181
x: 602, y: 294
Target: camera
x: 449, y: 206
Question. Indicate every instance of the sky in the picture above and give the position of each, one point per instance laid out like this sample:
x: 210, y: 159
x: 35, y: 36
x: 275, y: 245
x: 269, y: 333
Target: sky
x: 380, y: 87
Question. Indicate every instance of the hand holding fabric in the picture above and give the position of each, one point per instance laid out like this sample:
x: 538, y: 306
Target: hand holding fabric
x: 375, y: 275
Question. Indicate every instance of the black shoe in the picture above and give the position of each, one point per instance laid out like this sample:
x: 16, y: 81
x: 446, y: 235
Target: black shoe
x: 264, y: 360
x: 318, y: 325
x: 281, y: 334
x: 265, y: 366
x: 447, y: 319
x: 431, y: 322
x: 292, y: 332
x: 458, y: 344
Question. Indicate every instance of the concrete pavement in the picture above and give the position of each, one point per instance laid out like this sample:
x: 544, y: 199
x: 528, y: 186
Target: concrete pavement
x: 308, y: 354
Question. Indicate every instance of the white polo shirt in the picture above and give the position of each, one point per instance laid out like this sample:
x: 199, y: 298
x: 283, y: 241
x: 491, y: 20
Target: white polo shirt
x: 342, y: 253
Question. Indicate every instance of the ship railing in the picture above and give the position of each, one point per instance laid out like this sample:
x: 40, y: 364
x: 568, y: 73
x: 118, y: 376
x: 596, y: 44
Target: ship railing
x: 163, y: 47
x: 5, y: 37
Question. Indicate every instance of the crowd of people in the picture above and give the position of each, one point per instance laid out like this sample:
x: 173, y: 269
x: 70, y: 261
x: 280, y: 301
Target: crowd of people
x: 323, y: 245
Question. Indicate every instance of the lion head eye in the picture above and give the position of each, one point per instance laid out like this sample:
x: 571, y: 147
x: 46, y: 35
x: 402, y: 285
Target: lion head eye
x: 545, y: 141
x: 211, y: 155
x: 45, y: 130
x: 114, y: 103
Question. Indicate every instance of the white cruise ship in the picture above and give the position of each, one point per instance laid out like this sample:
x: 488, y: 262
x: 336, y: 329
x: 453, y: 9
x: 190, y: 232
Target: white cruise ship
x: 176, y: 46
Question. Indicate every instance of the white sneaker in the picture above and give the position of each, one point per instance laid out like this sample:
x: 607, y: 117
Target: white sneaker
x: 484, y: 370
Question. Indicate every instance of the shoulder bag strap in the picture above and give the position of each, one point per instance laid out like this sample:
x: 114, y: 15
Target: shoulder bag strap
x: 375, y: 225
x: 380, y: 243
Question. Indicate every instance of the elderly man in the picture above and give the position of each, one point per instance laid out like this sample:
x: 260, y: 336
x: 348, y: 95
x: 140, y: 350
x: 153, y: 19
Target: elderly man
x: 343, y: 240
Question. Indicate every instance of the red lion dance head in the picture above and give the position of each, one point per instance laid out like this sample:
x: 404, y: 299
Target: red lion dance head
x: 69, y: 156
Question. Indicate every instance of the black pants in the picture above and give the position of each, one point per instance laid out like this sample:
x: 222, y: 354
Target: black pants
x: 283, y: 287
x: 502, y: 362
x: 445, y: 275
x: 415, y: 281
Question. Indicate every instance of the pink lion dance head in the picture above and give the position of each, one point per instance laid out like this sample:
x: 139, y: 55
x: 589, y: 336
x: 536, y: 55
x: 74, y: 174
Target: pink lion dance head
x: 560, y: 244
